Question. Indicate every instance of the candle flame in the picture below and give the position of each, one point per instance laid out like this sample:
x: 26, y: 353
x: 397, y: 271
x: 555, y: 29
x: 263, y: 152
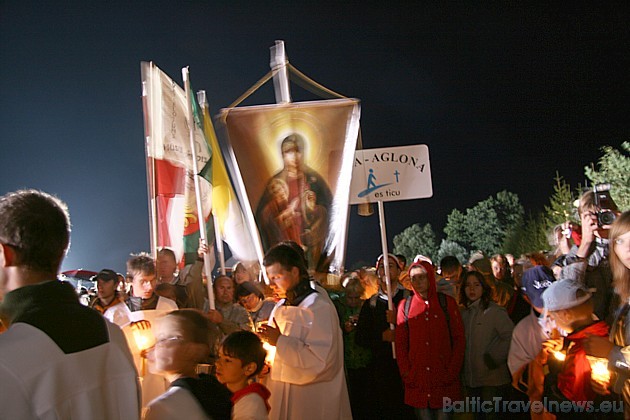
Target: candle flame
x: 271, y: 353
x: 599, y: 369
x: 144, y: 339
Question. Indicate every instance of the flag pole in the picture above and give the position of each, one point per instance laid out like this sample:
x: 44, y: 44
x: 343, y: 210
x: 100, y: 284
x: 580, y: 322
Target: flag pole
x: 202, y: 221
x: 147, y: 74
x: 385, y: 262
x: 218, y: 236
x: 218, y: 239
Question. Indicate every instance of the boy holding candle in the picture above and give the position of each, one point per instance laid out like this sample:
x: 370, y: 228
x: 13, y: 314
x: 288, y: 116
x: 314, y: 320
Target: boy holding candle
x: 570, y: 305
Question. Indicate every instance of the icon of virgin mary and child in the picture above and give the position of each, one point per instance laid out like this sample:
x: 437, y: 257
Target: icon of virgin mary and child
x: 295, y: 204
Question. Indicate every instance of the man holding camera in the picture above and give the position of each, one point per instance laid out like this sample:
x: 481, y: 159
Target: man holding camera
x: 596, y: 211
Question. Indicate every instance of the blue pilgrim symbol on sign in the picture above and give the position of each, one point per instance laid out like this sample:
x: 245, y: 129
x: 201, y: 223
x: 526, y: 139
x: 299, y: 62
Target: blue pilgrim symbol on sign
x: 371, y: 185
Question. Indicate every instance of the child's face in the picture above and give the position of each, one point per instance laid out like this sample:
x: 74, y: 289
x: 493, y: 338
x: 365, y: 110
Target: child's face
x: 229, y: 369
x: 559, y: 319
x: 172, y: 352
x: 473, y: 289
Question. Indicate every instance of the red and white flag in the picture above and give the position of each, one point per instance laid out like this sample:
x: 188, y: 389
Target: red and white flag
x: 173, y: 211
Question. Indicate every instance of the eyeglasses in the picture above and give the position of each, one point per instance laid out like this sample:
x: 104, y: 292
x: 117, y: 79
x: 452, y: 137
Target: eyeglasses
x: 169, y: 341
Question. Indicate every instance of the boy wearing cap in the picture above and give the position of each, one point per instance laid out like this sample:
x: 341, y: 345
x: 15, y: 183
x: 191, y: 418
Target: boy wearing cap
x: 528, y: 337
x: 106, y: 288
x: 570, y: 305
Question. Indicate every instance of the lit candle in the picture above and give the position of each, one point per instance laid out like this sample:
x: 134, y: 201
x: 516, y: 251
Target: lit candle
x: 144, y: 340
x: 599, y: 369
x: 271, y: 353
x: 559, y: 355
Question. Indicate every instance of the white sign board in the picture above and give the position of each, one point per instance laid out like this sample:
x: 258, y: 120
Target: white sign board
x: 391, y: 174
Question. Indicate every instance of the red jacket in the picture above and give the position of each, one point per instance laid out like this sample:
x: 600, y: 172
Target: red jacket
x: 429, y: 358
x: 575, y: 379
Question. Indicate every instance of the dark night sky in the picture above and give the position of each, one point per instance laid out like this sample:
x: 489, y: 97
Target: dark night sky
x: 503, y: 96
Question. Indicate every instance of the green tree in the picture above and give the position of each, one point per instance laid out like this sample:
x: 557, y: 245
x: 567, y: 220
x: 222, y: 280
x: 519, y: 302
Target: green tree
x: 456, y: 229
x: 451, y: 248
x: 416, y: 240
x: 531, y: 236
x: 560, y: 208
x: 614, y: 168
x: 509, y: 210
x: 486, y: 225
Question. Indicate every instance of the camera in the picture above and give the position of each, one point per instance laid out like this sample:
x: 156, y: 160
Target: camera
x: 605, y: 213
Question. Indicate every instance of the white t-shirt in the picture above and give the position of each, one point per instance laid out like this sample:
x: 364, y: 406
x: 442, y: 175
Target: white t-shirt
x: 177, y: 404
x: 250, y: 407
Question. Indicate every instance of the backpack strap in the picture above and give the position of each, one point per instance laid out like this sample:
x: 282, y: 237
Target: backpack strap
x: 373, y: 300
x: 406, y: 308
x: 444, y: 306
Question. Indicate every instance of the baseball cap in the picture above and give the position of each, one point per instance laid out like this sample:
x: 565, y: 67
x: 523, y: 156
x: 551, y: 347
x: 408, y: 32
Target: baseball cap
x: 106, y: 274
x: 563, y: 294
x: 535, y: 281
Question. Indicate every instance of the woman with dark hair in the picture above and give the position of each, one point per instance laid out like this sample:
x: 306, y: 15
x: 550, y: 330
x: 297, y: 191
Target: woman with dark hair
x: 488, y: 331
x: 250, y: 297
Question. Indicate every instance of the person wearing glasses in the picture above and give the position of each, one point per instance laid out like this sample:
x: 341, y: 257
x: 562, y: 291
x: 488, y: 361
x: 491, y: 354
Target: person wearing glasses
x: 251, y: 298
x: 183, y: 340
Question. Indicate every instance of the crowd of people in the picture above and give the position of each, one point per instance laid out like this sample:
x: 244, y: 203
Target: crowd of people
x: 542, y: 330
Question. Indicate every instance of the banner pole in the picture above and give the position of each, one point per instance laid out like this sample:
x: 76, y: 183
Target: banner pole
x: 278, y: 64
x: 390, y: 303
x: 202, y: 221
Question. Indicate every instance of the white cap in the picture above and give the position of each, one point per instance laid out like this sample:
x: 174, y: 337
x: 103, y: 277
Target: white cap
x: 562, y: 294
